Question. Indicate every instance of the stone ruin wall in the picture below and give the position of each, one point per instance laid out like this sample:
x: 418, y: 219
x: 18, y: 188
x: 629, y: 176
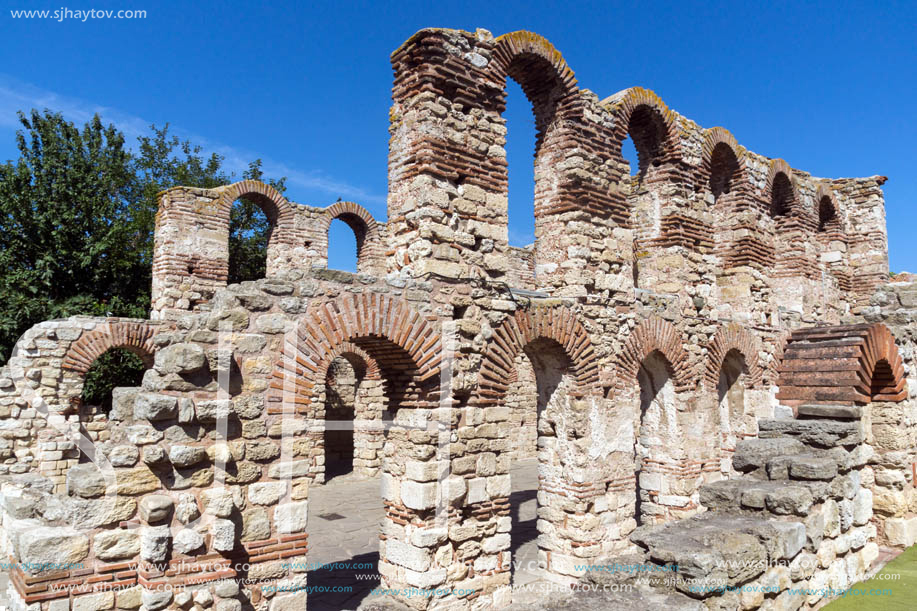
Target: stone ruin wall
x: 652, y: 310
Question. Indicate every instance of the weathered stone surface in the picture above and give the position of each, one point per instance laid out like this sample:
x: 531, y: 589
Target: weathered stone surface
x: 51, y: 546
x: 266, y: 493
x: 86, y: 481
x: 222, y: 534
x: 186, y: 456
x: 117, y: 544
x: 124, y: 456
x: 154, y: 600
x: 754, y: 453
x: 187, y: 510
x: 94, y: 602
x: 155, y: 543
x: 181, y: 358
x: 218, y: 501
x: 291, y: 517
x: 104, y: 511
x: 138, y: 480
x: 152, y: 407
x: 811, y: 467
x: 187, y: 540
x: 156, y: 508
x: 255, y: 524
x: 820, y: 433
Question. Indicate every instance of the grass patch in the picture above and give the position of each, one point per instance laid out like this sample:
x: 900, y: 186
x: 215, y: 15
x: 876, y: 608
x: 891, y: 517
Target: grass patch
x: 903, y: 589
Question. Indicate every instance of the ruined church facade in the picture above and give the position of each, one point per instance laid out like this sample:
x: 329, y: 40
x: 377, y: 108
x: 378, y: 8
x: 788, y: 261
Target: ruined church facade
x: 674, y: 345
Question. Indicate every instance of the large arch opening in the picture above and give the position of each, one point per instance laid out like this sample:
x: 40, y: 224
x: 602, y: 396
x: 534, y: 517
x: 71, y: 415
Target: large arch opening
x: 372, y: 395
x: 249, y: 234
x: 546, y: 368
x: 655, y: 446
x: 117, y: 367
x: 344, y: 244
x: 521, y: 142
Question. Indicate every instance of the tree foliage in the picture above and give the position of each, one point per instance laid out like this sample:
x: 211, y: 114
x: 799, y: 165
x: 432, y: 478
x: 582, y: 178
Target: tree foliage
x: 77, y: 213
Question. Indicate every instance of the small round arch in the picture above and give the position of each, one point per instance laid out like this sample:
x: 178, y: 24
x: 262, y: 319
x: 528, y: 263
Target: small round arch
x: 365, y: 229
x: 652, y: 126
x: 556, y: 323
x: 275, y: 206
x: 654, y: 335
x: 722, y: 161
x: 829, y: 219
x: 727, y: 338
x: 133, y: 336
x: 780, y: 189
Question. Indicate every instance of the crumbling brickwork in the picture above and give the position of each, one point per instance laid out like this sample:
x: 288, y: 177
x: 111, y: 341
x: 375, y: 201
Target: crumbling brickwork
x: 670, y: 346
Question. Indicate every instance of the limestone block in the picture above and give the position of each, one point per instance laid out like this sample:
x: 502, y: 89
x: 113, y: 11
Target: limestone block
x: 266, y: 493
x: 180, y: 358
x: 417, y: 495
x: 156, y: 508
x: 94, y: 602
x: 255, y: 524
x: 217, y: 501
x: 51, y: 546
x: 85, y: 481
x: 124, y: 456
x: 118, y: 544
x: 223, y: 533
x: 186, y: 456
x: 403, y: 554
x: 187, y: 540
x: 291, y: 517
x: 155, y: 542
x: 153, y: 406
x: 901, y: 531
x: 122, y: 403
x: 154, y: 600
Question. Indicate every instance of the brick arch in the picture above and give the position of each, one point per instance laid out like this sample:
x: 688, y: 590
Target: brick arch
x: 275, y: 206
x: 133, y: 336
x: 717, y: 137
x: 541, y: 71
x: 365, y: 228
x: 778, y: 168
x: 727, y: 338
x: 654, y: 335
x: 389, y: 329
x: 352, y: 352
x: 522, y: 328
x: 846, y: 364
x: 824, y: 195
x: 625, y: 103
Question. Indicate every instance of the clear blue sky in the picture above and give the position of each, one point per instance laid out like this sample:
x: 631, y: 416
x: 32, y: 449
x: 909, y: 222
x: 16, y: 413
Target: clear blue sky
x: 830, y: 87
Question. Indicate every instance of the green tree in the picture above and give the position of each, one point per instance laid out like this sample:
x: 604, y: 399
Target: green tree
x: 77, y: 214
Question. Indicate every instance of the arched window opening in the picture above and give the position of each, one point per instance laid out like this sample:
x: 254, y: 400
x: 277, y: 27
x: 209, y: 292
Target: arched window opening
x: 341, y: 384
x: 827, y: 215
x: 114, y: 368
x: 543, y: 373
x: 731, y: 399
x: 724, y: 170
x: 781, y: 196
x: 249, y: 234
x: 520, y: 144
x: 654, y: 436
x: 629, y: 152
x: 647, y: 130
x: 345, y: 241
